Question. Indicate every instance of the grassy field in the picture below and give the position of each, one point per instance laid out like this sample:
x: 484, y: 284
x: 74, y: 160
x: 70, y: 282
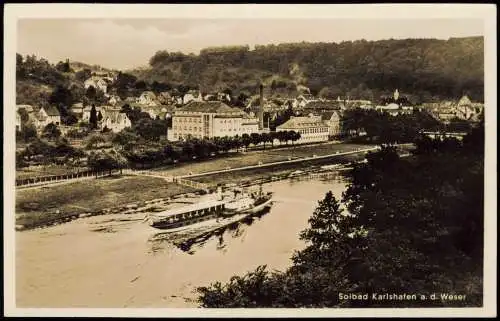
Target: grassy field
x: 247, y: 176
x: 91, y: 195
x: 254, y: 157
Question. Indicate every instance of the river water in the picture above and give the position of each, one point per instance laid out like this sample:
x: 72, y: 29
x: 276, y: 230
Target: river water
x: 111, y: 261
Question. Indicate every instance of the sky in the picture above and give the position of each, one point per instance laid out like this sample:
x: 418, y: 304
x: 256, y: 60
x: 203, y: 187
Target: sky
x: 130, y: 43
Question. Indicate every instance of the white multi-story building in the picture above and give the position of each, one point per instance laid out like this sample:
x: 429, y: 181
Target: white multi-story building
x: 211, y: 119
x: 312, y: 129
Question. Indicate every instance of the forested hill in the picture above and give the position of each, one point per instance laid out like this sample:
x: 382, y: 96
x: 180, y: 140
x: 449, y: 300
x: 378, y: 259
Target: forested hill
x: 424, y: 69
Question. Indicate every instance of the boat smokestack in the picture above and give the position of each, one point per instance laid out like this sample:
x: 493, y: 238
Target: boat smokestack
x: 219, y: 193
x: 261, y: 107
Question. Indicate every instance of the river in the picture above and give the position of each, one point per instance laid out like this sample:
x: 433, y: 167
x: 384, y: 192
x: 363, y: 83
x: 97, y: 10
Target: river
x: 109, y: 262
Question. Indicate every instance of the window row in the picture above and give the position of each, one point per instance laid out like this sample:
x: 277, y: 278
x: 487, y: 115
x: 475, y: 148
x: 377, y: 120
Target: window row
x: 313, y: 130
x: 187, y: 120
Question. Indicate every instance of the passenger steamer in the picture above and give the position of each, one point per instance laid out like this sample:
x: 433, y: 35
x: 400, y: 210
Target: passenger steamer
x: 215, y: 209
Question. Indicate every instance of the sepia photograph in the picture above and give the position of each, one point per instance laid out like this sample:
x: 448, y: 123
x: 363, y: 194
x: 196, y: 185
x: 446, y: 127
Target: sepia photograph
x: 249, y: 160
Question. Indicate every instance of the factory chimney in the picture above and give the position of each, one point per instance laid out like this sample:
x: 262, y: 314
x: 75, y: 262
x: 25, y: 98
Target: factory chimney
x: 261, y: 107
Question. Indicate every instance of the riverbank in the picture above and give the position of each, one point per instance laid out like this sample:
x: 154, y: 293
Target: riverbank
x: 252, y: 158
x: 276, y: 172
x: 107, y: 262
x: 58, y: 204
x: 46, y: 206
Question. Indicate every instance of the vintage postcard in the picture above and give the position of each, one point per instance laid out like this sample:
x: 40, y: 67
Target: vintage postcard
x: 250, y: 160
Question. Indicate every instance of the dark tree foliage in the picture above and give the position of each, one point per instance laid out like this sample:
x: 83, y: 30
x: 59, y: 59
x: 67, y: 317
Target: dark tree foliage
x: 63, y: 98
x: 150, y: 129
x: 51, y: 132
x: 359, y: 69
x: 63, y: 66
x: 46, y: 152
x: 27, y: 133
x: 380, y: 127
x: 412, y: 225
x: 83, y: 74
x: 142, y: 144
x: 93, y: 117
x: 106, y: 161
x: 134, y: 114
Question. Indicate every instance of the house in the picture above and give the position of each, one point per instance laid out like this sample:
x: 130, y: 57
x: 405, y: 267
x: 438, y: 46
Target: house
x: 28, y: 108
x: 302, y: 100
x: 467, y: 110
x: 321, y: 106
x: 77, y: 109
x: 130, y: 100
x: 166, y: 111
x: 312, y: 129
x: 223, y: 97
x: 97, y: 82
x: 164, y: 98
x: 211, y: 119
x: 332, y: 120
x: 48, y: 115
x: 147, y: 98
x: 114, y: 99
x: 115, y: 121
x: 156, y: 111
x: 18, y: 121
x: 192, y: 95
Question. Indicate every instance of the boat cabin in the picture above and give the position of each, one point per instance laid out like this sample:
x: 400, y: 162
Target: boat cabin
x: 190, y: 214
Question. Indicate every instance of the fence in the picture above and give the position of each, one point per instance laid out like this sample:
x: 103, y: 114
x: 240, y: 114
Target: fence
x: 189, y: 183
x: 41, y: 180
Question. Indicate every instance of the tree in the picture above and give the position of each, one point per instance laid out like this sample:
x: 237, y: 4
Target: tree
x: 246, y: 140
x: 63, y: 66
x: 51, y: 132
x: 91, y: 93
x: 256, y: 139
x: 83, y: 74
x: 294, y: 136
x: 37, y: 147
x: 28, y: 133
x: 106, y: 161
x: 95, y: 141
x: 150, y: 129
x: 126, y: 139
x: 326, y: 224
x: 93, y: 117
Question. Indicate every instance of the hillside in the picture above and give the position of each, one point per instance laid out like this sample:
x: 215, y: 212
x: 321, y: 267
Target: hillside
x: 424, y: 69
x: 77, y: 66
x: 40, y: 83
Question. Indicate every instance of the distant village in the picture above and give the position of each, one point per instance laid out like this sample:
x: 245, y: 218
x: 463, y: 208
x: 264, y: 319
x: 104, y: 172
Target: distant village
x: 199, y: 115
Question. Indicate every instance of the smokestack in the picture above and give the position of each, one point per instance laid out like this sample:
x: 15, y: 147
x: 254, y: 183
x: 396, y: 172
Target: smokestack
x: 261, y: 107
